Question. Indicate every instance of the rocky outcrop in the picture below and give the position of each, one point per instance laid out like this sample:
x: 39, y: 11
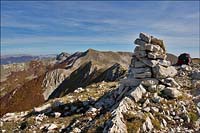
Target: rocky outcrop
x: 83, y: 76
x: 62, y: 56
x: 113, y: 73
x: 52, y: 80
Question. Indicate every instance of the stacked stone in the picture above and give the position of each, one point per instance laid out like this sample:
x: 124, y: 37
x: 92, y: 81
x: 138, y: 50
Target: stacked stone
x: 149, y: 65
x: 149, y: 73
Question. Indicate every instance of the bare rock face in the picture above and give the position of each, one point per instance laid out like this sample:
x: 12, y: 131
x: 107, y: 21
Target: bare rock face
x: 62, y: 56
x: 52, y: 80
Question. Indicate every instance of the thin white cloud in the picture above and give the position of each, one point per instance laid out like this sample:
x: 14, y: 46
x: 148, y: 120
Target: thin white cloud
x: 192, y: 16
x: 22, y: 25
x: 67, y: 39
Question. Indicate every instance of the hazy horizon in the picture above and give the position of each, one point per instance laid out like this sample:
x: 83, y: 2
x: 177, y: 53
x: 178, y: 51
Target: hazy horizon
x: 51, y: 27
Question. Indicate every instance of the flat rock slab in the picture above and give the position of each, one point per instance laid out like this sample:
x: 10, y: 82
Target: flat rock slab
x: 145, y: 37
x: 140, y: 42
x: 130, y: 82
x: 149, y: 82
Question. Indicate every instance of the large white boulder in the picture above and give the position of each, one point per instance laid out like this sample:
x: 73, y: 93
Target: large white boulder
x: 164, y: 72
x: 137, y: 93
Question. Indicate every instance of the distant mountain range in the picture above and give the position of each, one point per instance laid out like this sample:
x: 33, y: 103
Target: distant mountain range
x: 9, y: 59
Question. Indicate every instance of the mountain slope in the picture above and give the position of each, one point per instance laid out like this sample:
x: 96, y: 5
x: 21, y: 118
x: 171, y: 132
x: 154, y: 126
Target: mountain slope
x: 82, y: 64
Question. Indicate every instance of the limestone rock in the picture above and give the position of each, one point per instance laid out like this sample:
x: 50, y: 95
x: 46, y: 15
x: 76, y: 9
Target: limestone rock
x: 140, y: 54
x: 117, y: 123
x: 170, y: 82
x: 143, y: 75
x: 149, y: 82
x: 139, y: 70
x: 196, y: 84
x: 137, y: 93
x: 152, y: 48
x: 13, y: 116
x: 57, y: 114
x: 196, y: 75
x: 171, y: 92
x: 140, y: 42
x: 139, y: 64
x: 42, y: 108
x: 152, y: 88
x: 52, y: 80
x: 164, y: 63
x: 145, y: 37
x: 76, y: 130
x: 150, y: 63
x: 147, y: 125
x: 156, y: 56
x: 164, y: 72
x: 149, y: 48
x: 52, y: 127
x: 159, y: 42
x: 62, y: 56
x: 130, y: 82
x: 160, y: 87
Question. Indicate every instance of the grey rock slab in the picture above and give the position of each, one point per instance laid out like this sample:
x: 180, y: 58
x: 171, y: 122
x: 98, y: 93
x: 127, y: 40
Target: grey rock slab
x: 164, y: 72
x: 171, y: 92
x: 52, y: 80
x: 148, y: 62
x: 164, y: 62
x: 140, y: 54
x: 196, y: 75
x: 139, y: 70
x: 145, y: 37
x: 159, y: 42
x: 130, y: 82
x: 170, y: 82
x: 160, y: 87
x: 149, y: 82
x: 139, y: 64
x: 152, y: 88
x: 152, y: 48
x: 143, y: 75
x: 140, y: 42
x: 137, y: 93
x: 156, y: 56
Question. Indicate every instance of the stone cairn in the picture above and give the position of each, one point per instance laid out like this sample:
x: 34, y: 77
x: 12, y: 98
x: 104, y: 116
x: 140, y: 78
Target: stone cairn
x: 149, y: 71
x: 150, y: 66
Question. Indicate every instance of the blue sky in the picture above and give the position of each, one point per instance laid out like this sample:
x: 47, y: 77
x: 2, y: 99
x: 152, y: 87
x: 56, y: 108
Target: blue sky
x: 50, y: 27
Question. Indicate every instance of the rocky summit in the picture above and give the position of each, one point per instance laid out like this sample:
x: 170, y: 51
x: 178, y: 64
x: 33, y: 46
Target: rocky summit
x: 154, y: 96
